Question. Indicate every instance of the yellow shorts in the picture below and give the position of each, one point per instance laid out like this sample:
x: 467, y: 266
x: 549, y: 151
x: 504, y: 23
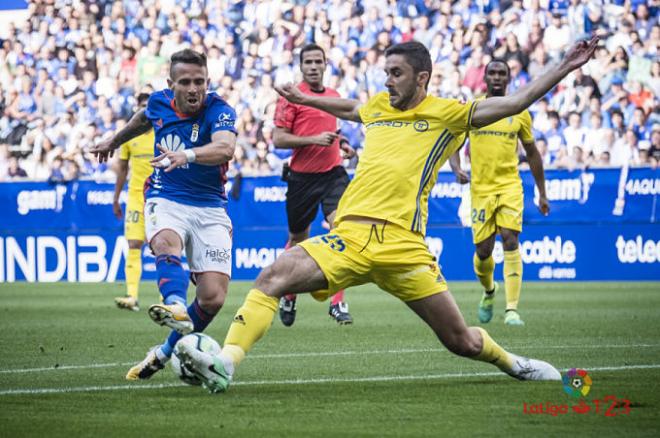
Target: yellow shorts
x: 134, y: 218
x: 490, y: 213
x: 395, y: 259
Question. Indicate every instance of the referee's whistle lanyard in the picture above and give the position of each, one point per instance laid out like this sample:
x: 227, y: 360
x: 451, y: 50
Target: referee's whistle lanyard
x: 374, y: 231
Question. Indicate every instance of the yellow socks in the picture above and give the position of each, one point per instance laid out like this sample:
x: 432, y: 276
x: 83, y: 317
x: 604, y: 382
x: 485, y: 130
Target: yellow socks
x: 484, y: 270
x: 133, y: 271
x: 491, y: 352
x: 513, y: 270
x: 250, y: 323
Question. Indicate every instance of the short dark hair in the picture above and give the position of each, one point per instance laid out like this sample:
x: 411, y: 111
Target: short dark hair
x: 142, y: 97
x: 416, y: 54
x: 501, y: 61
x: 311, y: 47
x: 187, y: 56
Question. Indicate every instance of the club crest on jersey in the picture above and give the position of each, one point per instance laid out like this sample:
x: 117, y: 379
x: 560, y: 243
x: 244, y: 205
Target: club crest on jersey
x: 510, y: 119
x: 195, y: 133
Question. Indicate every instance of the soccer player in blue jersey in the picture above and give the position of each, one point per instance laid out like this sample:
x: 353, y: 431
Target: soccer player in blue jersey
x: 185, y: 199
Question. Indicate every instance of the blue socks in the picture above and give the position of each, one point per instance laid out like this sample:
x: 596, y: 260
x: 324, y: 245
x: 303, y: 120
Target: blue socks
x: 200, y: 318
x: 172, y: 279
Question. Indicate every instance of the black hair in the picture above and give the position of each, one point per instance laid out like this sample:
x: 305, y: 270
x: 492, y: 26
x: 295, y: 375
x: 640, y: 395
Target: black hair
x: 187, y: 56
x: 142, y: 97
x: 310, y: 47
x: 500, y: 61
x: 416, y: 54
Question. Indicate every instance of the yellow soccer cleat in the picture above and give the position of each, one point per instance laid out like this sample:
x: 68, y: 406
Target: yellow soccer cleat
x: 147, y: 368
x: 174, y: 316
x: 128, y: 302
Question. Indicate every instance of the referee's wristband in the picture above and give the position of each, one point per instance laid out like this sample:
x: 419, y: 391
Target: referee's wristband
x: 190, y: 155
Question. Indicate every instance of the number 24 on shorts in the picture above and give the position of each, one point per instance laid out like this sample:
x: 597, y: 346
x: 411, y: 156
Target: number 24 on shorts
x: 478, y: 215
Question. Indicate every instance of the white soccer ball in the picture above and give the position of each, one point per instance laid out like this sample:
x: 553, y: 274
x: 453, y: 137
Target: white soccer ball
x: 201, y: 342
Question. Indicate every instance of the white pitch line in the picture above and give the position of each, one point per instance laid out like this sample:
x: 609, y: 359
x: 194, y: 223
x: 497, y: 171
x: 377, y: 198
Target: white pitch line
x: 65, y: 367
x: 41, y: 391
x: 327, y: 353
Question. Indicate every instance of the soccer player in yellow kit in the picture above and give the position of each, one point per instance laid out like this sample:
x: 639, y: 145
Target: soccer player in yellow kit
x: 134, y: 154
x: 497, y: 195
x: 381, y: 219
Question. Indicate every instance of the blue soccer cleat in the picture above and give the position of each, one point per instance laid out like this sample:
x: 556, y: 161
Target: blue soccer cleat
x: 485, y: 311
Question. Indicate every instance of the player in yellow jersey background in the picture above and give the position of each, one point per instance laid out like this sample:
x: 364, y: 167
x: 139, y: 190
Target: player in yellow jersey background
x: 381, y: 218
x: 134, y: 155
x: 497, y: 195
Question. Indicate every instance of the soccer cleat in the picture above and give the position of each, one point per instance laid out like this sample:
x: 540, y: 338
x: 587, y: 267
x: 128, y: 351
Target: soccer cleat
x: 147, y: 368
x: 128, y: 302
x: 512, y: 317
x: 215, y: 372
x: 288, y: 311
x: 174, y: 316
x: 533, y: 369
x: 485, y: 311
x: 339, y: 312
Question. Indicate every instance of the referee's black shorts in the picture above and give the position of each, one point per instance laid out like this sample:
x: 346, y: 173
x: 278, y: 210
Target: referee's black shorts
x: 307, y: 191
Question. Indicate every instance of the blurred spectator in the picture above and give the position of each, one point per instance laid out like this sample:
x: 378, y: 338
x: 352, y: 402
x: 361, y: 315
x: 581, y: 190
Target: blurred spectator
x: 14, y: 170
x: 625, y: 151
x: 68, y: 74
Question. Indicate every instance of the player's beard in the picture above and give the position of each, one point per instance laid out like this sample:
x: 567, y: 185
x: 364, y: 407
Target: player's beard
x: 403, y: 97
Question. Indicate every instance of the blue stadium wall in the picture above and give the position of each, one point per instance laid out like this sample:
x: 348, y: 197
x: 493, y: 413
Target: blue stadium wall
x: 603, y: 226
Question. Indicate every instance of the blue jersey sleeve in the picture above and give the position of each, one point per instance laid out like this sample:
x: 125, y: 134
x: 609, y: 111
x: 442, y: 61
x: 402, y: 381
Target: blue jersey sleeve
x: 157, y: 105
x: 221, y: 116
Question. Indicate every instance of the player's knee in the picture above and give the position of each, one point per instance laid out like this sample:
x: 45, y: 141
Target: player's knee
x: 135, y: 244
x: 482, y: 252
x: 510, y: 242
x: 462, y: 344
x: 212, y: 305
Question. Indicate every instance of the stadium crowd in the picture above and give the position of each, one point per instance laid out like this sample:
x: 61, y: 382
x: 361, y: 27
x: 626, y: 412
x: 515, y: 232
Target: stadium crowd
x: 69, y: 74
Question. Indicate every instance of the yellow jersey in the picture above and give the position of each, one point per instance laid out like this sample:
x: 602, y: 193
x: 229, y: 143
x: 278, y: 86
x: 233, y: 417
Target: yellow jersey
x: 138, y: 152
x: 403, y: 151
x: 494, y: 154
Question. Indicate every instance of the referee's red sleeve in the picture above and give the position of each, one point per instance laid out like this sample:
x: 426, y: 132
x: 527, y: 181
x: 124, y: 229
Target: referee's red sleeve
x: 285, y: 114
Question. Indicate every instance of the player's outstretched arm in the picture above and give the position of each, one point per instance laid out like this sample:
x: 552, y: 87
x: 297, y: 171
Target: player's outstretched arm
x: 138, y: 125
x: 220, y: 150
x: 495, y: 108
x: 346, y: 109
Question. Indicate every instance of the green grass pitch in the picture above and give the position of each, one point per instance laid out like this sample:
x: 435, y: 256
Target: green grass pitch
x: 65, y: 348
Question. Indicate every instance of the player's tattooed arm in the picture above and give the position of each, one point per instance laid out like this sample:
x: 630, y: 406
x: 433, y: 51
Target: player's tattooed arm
x: 495, y: 108
x: 138, y: 125
x: 346, y: 109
